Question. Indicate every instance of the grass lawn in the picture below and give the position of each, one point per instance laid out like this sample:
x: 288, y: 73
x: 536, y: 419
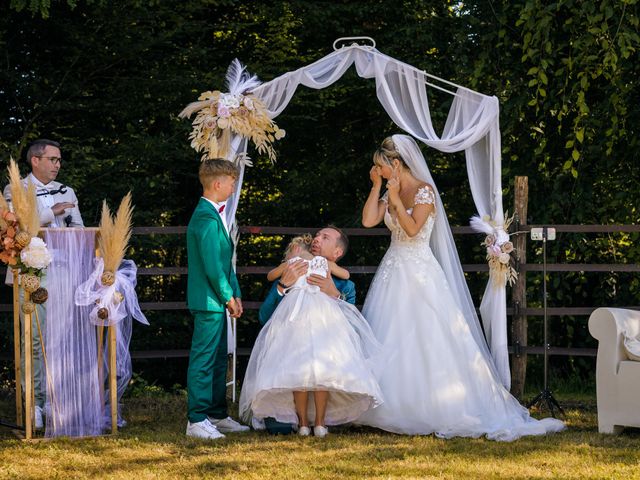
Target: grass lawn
x: 154, y: 446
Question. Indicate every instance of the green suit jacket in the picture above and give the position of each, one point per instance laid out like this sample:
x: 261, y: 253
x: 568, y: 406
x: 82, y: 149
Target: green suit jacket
x: 211, y: 280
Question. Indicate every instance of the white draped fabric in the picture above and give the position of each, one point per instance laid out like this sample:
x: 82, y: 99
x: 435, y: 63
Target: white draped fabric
x: 472, y: 126
x: 77, y: 401
x: 74, y: 390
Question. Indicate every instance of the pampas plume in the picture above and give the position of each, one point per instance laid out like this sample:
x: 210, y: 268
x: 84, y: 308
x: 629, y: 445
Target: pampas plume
x: 192, y: 108
x: 115, y: 233
x: 3, y: 204
x: 24, y: 202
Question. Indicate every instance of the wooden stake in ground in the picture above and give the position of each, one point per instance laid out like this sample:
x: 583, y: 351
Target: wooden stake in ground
x: 28, y: 373
x: 519, y: 291
x: 113, y: 387
x: 17, y: 357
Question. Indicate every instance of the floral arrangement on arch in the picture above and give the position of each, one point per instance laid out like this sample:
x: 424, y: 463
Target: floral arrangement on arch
x: 500, y: 250
x: 238, y: 111
x: 20, y: 247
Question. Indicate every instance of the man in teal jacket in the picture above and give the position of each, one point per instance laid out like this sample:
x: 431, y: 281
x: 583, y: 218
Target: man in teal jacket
x: 329, y: 242
x: 212, y: 289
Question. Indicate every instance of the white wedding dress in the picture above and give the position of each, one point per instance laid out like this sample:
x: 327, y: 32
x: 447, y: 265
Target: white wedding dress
x: 312, y: 342
x: 435, y: 378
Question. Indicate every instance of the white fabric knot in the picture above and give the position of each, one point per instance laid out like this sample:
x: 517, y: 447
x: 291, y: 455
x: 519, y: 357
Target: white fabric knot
x: 92, y: 292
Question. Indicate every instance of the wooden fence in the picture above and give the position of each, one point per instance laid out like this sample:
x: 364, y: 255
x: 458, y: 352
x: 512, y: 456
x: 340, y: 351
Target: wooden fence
x: 518, y: 309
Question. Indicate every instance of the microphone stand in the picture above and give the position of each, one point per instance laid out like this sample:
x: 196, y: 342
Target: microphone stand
x: 545, y: 397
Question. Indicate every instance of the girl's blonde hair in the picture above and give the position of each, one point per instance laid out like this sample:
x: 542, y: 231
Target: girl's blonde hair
x: 303, y: 241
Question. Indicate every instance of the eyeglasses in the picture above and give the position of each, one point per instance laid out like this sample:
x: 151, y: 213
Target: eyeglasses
x: 54, y: 160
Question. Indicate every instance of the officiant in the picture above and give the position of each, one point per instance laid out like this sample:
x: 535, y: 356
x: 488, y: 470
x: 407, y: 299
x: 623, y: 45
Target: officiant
x: 57, y: 203
x: 57, y: 207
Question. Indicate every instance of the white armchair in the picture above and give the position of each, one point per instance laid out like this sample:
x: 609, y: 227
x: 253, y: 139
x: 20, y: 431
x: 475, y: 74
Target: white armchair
x: 617, y: 375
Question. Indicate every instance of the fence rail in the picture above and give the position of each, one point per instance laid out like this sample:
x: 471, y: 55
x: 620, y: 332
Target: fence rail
x: 367, y: 270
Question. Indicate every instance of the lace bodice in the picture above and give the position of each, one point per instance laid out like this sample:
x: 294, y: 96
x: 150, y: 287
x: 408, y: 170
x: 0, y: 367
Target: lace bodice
x: 317, y: 265
x: 425, y: 195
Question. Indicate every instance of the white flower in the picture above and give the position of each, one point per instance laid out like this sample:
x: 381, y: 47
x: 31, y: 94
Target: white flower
x: 36, y: 255
x: 280, y: 133
x: 229, y: 100
x: 223, y: 111
x: 501, y: 236
x: 504, y: 258
x: 223, y: 122
x: 248, y: 102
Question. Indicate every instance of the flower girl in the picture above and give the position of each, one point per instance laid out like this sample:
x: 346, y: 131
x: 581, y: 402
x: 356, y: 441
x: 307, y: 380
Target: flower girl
x: 312, y: 343
x: 300, y: 247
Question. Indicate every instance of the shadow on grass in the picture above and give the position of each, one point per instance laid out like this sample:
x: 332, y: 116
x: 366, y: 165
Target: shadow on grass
x: 155, y: 443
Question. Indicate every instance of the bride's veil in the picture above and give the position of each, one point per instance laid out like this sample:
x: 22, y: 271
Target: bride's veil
x: 442, y: 243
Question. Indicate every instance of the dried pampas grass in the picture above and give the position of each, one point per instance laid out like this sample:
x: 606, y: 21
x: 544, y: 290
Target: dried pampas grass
x: 115, y: 233
x: 3, y: 204
x: 24, y: 202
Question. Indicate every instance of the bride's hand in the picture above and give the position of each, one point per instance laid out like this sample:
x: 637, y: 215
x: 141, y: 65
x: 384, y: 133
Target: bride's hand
x: 374, y: 175
x: 393, y: 186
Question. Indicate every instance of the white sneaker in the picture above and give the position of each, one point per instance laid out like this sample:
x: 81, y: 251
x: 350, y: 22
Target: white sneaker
x: 320, y: 431
x: 37, y: 422
x: 304, y: 431
x: 203, y: 429
x: 228, y: 425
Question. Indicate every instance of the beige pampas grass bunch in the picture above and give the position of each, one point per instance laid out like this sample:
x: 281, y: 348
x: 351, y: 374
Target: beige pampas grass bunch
x: 3, y: 204
x: 24, y: 202
x: 115, y: 232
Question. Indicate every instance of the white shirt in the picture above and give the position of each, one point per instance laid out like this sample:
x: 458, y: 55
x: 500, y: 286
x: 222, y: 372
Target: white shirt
x: 44, y: 204
x: 46, y: 200
x: 218, y: 206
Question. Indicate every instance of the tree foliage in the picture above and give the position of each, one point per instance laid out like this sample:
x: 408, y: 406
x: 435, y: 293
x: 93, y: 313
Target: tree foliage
x: 107, y: 79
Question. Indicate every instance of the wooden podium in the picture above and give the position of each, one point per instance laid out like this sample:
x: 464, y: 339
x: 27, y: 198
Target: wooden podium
x: 25, y: 418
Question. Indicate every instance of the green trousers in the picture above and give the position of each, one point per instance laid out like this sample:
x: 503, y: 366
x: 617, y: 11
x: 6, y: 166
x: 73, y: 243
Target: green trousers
x: 207, y: 374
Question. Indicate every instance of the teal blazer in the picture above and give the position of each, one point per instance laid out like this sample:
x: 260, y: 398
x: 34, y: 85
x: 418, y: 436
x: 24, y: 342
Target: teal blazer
x: 211, y: 279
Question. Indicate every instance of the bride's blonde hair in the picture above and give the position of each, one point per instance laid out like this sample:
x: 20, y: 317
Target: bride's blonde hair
x: 303, y: 241
x: 387, y: 153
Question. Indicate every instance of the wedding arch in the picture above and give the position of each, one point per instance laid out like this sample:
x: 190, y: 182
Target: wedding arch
x: 472, y: 126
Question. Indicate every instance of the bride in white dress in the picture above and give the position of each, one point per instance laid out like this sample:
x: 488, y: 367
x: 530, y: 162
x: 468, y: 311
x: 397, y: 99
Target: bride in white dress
x: 438, y: 375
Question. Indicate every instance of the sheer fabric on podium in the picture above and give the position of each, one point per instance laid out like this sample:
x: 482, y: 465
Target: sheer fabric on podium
x: 74, y: 401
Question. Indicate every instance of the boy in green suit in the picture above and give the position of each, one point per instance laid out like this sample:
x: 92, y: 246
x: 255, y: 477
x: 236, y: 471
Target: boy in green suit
x: 212, y: 289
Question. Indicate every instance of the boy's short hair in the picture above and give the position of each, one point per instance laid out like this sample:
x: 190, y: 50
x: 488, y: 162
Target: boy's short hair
x: 212, y: 169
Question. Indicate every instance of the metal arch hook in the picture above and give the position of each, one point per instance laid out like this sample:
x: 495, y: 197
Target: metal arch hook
x: 373, y: 42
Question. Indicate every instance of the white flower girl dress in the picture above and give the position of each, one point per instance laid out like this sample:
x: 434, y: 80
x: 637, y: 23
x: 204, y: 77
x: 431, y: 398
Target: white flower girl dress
x: 311, y: 342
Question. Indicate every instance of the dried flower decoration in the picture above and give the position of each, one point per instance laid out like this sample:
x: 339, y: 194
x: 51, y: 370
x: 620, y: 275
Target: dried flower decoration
x: 500, y: 251
x: 19, y: 246
x: 236, y: 112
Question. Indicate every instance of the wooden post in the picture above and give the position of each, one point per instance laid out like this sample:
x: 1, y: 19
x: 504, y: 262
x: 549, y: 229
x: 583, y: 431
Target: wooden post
x: 519, y: 291
x: 28, y: 372
x: 17, y: 357
x: 100, y: 337
x: 113, y: 387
